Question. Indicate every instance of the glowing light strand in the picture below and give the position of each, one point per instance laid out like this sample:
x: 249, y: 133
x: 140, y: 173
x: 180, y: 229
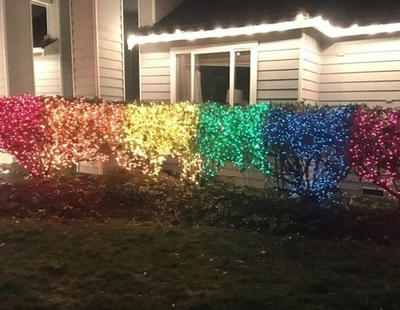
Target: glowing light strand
x: 22, y: 133
x: 155, y: 131
x: 310, y: 148
x: 375, y: 148
x: 232, y: 135
x: 78, y: 131
x: 300, y: 22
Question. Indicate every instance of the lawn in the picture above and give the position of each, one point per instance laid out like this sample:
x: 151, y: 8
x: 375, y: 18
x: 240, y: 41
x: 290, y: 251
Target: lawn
x: 125, y: 264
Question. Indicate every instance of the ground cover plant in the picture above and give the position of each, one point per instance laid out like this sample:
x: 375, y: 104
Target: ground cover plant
x: 168, y: 200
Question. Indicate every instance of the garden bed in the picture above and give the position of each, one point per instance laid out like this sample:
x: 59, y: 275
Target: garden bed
x: 167, y: 200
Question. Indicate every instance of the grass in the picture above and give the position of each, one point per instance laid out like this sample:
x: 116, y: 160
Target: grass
x: 121, y: 264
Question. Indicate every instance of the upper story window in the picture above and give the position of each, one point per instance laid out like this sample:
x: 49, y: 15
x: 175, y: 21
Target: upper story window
x: 39, y: 25
x: 224, y: 74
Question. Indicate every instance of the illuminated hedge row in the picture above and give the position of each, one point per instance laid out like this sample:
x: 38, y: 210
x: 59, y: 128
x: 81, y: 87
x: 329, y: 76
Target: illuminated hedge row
x: 306, y: 152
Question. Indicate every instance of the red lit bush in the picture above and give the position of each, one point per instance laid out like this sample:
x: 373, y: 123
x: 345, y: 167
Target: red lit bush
x: 22, y: 132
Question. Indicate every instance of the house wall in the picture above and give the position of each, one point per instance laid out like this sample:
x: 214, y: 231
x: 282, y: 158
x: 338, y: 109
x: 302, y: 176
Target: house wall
x: 366, y: 71
x: 65, y: 48
x: 154, y: 72
x: 97, y: 48
x: 47, y: 75
x: 310, y: 69
x: 83, y: 47
x: 3, y: 70
x: 19, y: 46
x: 110, y: 49
x: 278, y: 70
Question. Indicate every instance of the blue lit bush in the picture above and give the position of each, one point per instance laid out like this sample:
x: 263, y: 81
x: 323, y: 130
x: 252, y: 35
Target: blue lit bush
x: 308, y: 149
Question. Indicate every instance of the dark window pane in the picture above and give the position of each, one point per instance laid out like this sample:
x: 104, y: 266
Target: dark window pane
x: 39, y: 24
x: 212, y: 77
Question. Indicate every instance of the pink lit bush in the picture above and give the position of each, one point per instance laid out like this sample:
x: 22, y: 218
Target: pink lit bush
x: 375, y: 148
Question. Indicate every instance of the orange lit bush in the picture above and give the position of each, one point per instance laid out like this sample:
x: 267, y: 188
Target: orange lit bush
x: 78, y: 131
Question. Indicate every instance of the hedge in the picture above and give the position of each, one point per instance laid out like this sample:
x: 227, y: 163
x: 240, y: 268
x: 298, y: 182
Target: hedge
x: 307, y: 151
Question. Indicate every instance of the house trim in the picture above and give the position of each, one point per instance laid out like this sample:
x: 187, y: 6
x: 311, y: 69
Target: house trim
x: 5, y: 53
x: 300, y: 22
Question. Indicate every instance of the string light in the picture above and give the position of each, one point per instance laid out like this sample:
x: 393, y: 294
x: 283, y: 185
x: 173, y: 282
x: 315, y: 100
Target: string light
x: 78, y: 131
x: 300, y: 22
x: 22, y: 133
x: 375, y: 148
x: 155, y: 131
x: 310, y: 147
x: 232, y: 135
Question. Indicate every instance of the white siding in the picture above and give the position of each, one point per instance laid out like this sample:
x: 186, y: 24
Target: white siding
x: 154, y: 72
x: 83, y: 48
x: 278, y: 70
x: 97, y: 48
x: 3, y: 78
x: 19, y: 47
x: 47, y: 75
x: 310, y: 69
x: 110, y: 49
x: 365, y: 71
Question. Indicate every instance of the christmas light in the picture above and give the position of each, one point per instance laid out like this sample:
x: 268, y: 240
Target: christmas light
x: 78, y: 131
x: 300, y: 22
x: 22, y: 133
x: 233, y: 135
x: 310, y: 148
x: 375, y: 148
x: 155, y: 131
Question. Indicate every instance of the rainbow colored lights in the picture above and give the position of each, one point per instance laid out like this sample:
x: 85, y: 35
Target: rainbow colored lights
x: 306, y: 152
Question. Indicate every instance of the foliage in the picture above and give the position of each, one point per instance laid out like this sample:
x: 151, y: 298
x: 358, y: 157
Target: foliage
x: 156, y: 131
x: 375, y: 148
x: 309, y: 148
x: 22, y: 133
x: 232, y: 135
x: 79, y: 131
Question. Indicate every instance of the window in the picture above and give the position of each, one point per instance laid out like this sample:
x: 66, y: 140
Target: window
x: 39, y: 24
x: 224, y: 74
x: 211, y: 77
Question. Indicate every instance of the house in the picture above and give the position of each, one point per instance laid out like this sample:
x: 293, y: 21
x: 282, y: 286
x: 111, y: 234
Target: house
x: 253, y: 51
x: 231, y: 51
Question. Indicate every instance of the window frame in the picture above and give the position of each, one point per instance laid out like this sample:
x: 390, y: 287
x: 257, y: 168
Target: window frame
x: 208, y: 49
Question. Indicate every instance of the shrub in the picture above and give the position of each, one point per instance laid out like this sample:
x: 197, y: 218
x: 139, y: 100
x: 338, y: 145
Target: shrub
x: 375, y: 148
x: 22, y: 133
x: 309, y: 149
x: 155, y: 131
x: 231, y: 135
x: 79, y: 131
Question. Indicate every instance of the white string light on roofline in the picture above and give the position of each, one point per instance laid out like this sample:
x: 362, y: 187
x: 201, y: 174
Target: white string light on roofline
x: 301, y: 21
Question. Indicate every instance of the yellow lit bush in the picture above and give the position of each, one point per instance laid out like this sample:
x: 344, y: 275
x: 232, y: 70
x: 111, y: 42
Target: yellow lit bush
x: 155, y: 131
